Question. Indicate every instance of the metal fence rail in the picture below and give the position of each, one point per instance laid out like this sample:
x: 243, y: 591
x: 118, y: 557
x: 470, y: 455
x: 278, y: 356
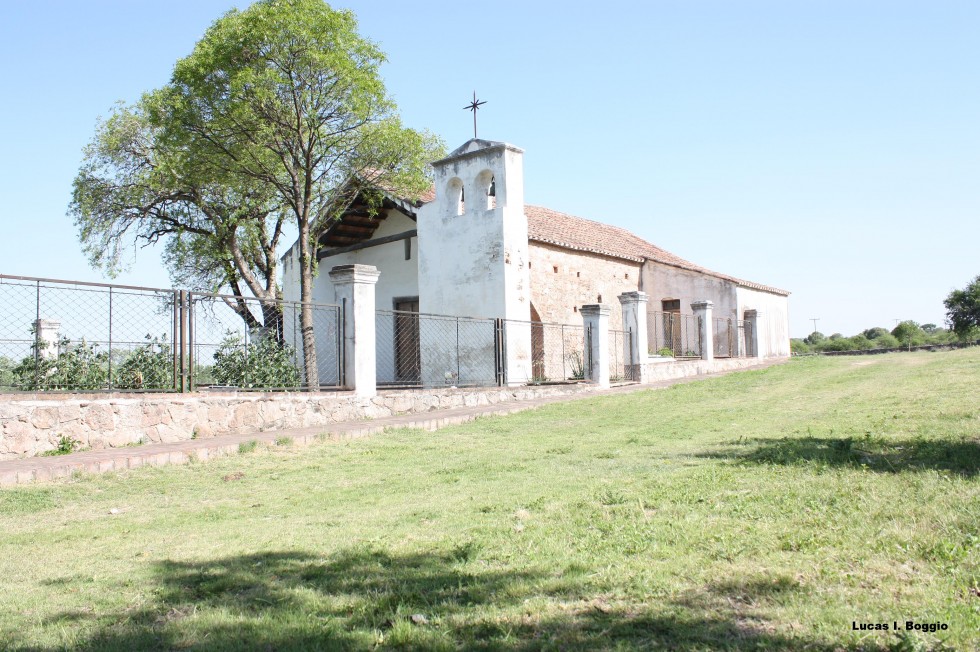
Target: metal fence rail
x: 68, y: 336
x: 620, y: 356
x: 265, y: 353
x: 674, y: 334
x: 424, y: 350
x: 558, y: 352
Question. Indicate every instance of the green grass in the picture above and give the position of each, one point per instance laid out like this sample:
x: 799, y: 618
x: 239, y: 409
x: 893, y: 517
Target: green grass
x: 761, y: 510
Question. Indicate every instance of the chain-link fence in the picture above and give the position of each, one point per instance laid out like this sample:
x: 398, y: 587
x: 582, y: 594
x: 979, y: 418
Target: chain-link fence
x: 620, y: 356
x: 423, y: 350
x: 70, y: 336
x: 732, y: 338
x: 76, y: 336
x: 249, y: 344
x: 558, y: 351
x: 674, y: 334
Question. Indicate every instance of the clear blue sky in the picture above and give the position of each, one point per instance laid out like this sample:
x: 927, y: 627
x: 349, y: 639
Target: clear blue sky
x: 830, y: 148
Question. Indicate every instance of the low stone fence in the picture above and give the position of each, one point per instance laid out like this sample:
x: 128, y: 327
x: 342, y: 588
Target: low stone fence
x: 31, y: 424
x: 660, y: 370
x: 922, y: 347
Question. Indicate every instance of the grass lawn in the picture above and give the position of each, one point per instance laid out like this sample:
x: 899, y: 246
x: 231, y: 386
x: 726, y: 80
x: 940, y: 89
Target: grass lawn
x: 771, y: 509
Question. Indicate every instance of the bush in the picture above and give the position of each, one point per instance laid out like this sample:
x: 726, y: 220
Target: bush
x: 261, y: 363
x: 886, y: 341
x: 875, y: 333
x: 798, y: 346
x: 149, y: 367
x: 7, y: 377
x: 909, y: 333
x: 78, y: 366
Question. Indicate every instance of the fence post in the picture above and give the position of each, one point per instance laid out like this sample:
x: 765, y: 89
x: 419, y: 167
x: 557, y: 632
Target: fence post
x: 183, y: 341
x: 354, y: 287
x: 702, y: 310
x: 635, y: 322
x: 175, y: 342
x: 595, y: 318
x: 753, y: 318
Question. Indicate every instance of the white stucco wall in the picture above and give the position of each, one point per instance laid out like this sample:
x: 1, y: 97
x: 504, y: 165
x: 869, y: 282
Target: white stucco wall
x: 665, y: 282
x: 398, y: 279
x: 774, y: 320
x: 474, y: 264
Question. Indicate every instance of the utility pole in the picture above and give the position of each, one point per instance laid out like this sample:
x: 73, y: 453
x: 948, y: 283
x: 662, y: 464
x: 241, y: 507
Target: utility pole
x: 814, y: 320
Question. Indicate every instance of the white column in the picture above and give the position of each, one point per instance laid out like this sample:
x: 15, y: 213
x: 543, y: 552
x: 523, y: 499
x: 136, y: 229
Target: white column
x: 46, y: 336
x: 702, y: 309
x: 353, y: 287
x: 595, y: 317
x: 754, y: 318
x: 635, y: 320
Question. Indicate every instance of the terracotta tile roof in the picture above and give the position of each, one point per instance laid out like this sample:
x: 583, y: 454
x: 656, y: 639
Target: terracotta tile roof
x: 570, y: 232
x: 577, y: 233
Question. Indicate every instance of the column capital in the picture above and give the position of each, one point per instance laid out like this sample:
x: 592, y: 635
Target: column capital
x: 702, y: 304
x: 354, y: 274
x: 596, y: 309
x: 633, y: 297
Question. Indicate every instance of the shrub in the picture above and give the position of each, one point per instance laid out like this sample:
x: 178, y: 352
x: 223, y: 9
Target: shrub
x: 148, y: 367
x: 886, y: 341
x: 798, y: 346
x: 909, y: 333
x: 260, y: 363
x: 77, y: 366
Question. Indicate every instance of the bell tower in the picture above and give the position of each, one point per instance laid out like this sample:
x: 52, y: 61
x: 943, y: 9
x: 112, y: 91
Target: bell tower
x: 473, y: 249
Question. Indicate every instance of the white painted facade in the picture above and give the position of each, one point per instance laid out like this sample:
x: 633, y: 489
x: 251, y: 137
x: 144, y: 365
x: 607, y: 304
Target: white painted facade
x: 472, y: 258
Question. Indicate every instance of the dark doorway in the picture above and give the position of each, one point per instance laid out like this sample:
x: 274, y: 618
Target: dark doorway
x: 672, y: 325
x: 408, y: 351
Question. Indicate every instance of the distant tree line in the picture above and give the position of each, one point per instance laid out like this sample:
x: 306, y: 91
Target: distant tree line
x: 962, y: 317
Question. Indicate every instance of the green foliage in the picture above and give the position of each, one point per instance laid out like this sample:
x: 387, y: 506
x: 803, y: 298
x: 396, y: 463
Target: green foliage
x: 798, y: 346
x: 875, y: 333
x: 248, y: 446
x: 886, y: 341
x: 666, y: 351
x: 963, y: 310
x: 909, y: 333
x: 66, y: 445
x: 815, y: 338
x: 78, y: 366
x: 263, y: 362
x: 148, y: 367
x: 7, y: 376
x: 287, y: 97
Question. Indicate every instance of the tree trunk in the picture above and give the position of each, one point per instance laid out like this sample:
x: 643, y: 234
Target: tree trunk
x: 311, y: 373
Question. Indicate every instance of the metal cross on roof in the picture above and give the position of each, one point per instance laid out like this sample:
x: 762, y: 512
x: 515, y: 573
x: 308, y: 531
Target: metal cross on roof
x: 473, y: 106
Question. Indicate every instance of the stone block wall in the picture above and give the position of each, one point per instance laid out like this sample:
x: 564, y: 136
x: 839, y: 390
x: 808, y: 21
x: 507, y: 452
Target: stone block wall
x: 581, y: 278
x: 31, y: 424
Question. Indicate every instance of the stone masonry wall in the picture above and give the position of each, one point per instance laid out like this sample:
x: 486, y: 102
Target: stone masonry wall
x: 31, y: 424
x: 581, y: 278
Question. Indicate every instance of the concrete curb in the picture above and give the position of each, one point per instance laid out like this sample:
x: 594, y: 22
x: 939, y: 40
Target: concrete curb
x: 46, y: 469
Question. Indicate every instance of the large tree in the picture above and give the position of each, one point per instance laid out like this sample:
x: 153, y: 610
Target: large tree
x: 963, y: 309
x: 288, y: 95
x: 218, y: 231
x: 284, y: 100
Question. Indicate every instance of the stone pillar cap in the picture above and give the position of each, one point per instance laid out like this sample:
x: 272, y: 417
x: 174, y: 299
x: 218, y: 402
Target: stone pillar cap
x: 634, y: 297
x: 354, y: 273
x: 596, y: 309
x: 702, y: 303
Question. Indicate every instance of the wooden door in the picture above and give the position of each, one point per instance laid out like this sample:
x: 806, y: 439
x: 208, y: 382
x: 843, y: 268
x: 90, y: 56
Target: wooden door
x: 408, y: 351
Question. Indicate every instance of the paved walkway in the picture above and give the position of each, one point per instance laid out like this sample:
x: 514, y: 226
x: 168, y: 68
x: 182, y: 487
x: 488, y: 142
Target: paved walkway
x: 40, y: 469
